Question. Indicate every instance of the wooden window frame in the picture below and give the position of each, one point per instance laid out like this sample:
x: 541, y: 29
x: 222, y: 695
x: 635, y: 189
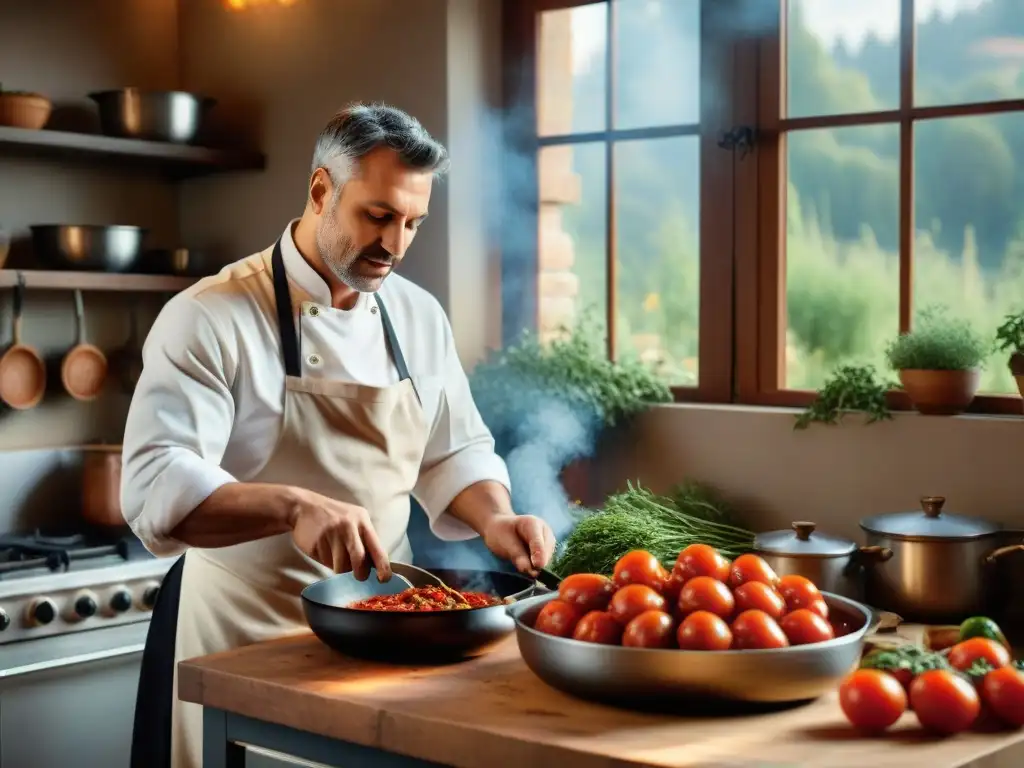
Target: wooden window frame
x: 761, y: 259
x: 742, y: 315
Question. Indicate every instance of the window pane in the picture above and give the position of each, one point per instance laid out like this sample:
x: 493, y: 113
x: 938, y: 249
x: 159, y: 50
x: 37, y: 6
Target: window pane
x: 663, y: 37
x: 572, y: 236
x: 657, y: 223
x: 842, y: 56
x: 968, y: 51
x: 842, y: 250
x: 572, y: 61
x: 969, y: 247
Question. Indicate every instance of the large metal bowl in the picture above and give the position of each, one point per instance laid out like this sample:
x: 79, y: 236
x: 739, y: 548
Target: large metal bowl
x: 640, y: 677
x: 412, y: 638
x: 131, y: 113
x: 86, y: 247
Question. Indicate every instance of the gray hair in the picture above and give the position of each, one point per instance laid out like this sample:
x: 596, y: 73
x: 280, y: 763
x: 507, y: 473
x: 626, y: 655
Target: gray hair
x: 358, y: 129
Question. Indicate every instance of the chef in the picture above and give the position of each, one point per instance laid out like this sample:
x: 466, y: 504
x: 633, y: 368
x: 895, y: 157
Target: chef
x: 288, y: 408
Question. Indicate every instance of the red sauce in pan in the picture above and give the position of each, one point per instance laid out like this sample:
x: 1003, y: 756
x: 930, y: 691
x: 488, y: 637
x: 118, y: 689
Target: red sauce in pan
x: 418, y: 599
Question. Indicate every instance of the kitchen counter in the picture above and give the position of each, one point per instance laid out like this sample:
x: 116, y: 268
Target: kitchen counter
x: 298, y: 697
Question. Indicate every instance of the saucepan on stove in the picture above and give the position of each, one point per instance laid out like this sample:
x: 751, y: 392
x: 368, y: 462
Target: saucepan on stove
x: 944, y: 565
x: 101, y: 485
x: 414, y: 636
x: 833, y: 563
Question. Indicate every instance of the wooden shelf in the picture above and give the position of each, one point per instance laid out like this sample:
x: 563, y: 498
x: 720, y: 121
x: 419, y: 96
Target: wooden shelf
x: 94, y: 281
x: 177, y: 160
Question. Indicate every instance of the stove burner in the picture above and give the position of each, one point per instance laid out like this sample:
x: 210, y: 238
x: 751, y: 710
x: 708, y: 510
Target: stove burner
x: 55, y: 553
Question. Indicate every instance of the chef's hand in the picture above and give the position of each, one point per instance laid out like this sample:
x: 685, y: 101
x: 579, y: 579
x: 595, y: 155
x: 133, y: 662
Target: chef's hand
x: 524, y: 540
x: 339, y: 535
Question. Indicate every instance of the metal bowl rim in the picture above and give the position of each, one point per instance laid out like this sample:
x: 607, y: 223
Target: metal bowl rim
x: 427, y: 614
x: 516, y: 610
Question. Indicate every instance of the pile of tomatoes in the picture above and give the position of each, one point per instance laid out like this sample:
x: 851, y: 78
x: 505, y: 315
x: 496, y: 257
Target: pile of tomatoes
x: 706, y: 603
x: 945, y: 701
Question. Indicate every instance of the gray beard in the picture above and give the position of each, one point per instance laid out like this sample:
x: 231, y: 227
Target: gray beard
x: 339, y: 255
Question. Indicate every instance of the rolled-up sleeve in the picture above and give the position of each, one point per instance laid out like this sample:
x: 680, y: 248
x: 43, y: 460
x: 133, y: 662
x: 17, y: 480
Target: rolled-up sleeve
x: 459, y: 453
x: 178, y: 424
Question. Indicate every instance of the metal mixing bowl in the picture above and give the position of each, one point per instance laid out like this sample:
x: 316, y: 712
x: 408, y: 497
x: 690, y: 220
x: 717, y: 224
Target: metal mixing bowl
x: 639, y: 676
x: 86, y: 247
x: 131, y: 113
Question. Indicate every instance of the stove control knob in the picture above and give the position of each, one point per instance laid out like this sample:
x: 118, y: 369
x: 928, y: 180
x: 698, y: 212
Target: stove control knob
x: 149, y: 594
x: 85, y: 605
x: 121, y: 600
x: 5, y: 620
x: 41, y: 611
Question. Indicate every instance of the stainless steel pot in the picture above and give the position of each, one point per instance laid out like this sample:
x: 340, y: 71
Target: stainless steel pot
x: 943, y: 565
x: 88, y: 248
x: 131, y: 113
x: 833, y: 563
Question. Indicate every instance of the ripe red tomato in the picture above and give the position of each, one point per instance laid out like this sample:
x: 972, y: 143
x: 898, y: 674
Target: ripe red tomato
x: 798, y: 591
x: 639, y: 567
x: 701, y: 560
x: 704, y: 593
x: 704, y: 631
x: 1003, y: 691
x: 651, y: 629
x: 872, y: 700
x: 803, y: 627
x: 963, y: 655
x: 557, y: 618
x: 758, y: 596
x: 672, y: 587
x: 586, y: 591
x: 944, y: 702
x: 819, y: 607
x: 632, y: 600
x: 751, y: 568
x: 754, y: 629
x: 598, y: 627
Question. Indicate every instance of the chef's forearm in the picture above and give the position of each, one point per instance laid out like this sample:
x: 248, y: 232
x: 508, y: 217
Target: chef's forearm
x: 239, y: 512
x: 480, y: 503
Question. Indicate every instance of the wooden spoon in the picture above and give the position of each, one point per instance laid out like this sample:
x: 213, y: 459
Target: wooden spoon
x: 84, y: 368
x: 22, y: 370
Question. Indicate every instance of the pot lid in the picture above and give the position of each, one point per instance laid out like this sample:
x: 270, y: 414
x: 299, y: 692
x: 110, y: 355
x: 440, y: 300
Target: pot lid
x: 929, y: 523
x: 803, y: 541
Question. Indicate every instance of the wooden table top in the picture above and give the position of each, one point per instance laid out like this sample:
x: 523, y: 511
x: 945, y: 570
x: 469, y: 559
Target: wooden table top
x: 494, y: 712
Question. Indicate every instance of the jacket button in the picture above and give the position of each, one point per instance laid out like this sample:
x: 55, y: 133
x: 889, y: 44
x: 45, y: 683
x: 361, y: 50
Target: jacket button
x: 373, y: 310
x: 314, y: 359
x: 314, y: 311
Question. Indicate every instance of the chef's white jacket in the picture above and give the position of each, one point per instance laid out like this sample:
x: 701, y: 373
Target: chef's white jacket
x: 207, y: 409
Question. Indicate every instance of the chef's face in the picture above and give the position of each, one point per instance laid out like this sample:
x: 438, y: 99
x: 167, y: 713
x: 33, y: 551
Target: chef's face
x: 365, y: 227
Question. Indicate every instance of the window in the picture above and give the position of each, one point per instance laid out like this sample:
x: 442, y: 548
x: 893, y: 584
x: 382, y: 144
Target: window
x: 886, y: 175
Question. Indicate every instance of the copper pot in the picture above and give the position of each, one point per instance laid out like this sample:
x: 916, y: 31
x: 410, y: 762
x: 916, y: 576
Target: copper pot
x: 101, y: 485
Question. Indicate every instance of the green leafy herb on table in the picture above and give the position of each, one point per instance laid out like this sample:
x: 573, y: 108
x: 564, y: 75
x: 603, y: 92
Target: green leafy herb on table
x: 904, y: 663
x: 849, y: 388
x: 662, y: 525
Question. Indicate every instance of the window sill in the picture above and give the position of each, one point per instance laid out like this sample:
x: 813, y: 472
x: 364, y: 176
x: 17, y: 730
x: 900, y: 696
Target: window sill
x: 789, y: 412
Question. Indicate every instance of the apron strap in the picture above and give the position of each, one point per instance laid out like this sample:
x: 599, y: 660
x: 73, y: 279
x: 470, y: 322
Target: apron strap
x: 392, y: 339
x: 285, y: 320
x: 290, y: 335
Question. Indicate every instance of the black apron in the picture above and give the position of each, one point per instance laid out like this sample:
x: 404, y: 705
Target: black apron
x: 151, y: 734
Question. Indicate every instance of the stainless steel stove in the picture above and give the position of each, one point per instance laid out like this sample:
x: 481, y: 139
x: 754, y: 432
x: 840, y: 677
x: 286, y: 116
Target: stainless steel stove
x: 74, y: 612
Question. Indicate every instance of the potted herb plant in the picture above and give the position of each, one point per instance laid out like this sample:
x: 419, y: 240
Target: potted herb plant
x: 939, y: 362
x: 1010, y: 338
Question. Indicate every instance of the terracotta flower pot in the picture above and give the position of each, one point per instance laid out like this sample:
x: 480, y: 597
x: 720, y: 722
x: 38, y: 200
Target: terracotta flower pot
x: 941, y: 393
x: 1017, y: 369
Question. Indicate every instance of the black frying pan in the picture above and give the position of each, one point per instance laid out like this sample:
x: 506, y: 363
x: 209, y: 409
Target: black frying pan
x: 414, y: 638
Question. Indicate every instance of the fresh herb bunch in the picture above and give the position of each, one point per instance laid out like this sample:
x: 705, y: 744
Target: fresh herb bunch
x: 938, y: 343
x: 640, y: 519
x: 909, y: 659
x: 575, y: 368
x: 849, y: 388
